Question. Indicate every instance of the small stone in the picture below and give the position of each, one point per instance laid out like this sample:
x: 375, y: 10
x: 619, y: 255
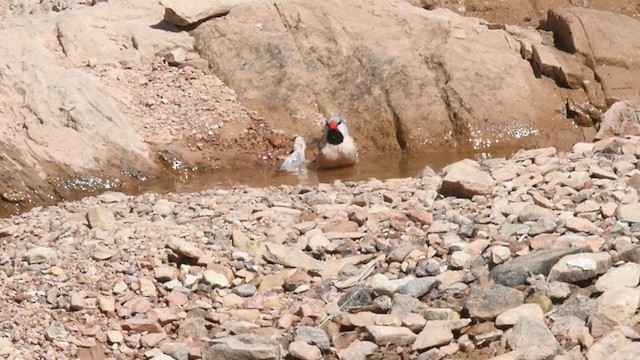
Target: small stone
x: 541, y: 300
x: 529, y: 333
x: 39, y: 254
x: 177, y: 350
x: 176, y: 298
x: 151, y: 340
x: 511, y: 316
x: 215, y: 279
x: 628, y: 212
x: 244, y: 346
x: 101, y: 253
x: 163, y: 208
x: 534, y: 213
x: 500, y: 254
x: 383, y: 286
x: 303, y: 351
x: 165, y: 273
x: 114, y: 337
x: 616, y: 306
x: 358, y: 350
x: 580, y: 225
x: 142, y: 325
x: 627, y: 275
x: 184, y: 248
x: 607, y: 345
x: 465, y: 179
x: 120, y: 287
x: 245, y: 290
x: 193, y: 328
x: 147, y: 288
x: 487, y: 302
x: 313, y: 335
x: 77, y: 302
x: 415, y: 322
x: 51, y: 333
x: 418, y: 287
x: 107, y: 304
x: 101, y: 218
x: 459, y: 259
x: 435, y: 333
x: 391, y: 335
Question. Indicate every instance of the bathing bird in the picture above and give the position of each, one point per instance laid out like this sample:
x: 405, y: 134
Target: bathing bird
x: 336, y: 147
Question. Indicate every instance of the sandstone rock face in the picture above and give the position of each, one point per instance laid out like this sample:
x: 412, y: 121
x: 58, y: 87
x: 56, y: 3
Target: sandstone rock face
x: 405, y: 77
x: 603, y: 41
x: 60, y: 121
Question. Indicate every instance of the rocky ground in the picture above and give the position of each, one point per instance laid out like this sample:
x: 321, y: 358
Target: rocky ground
x: 532, y: 257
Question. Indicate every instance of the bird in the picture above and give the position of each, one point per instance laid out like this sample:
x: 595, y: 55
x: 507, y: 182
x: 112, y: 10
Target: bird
x: 336, y: 147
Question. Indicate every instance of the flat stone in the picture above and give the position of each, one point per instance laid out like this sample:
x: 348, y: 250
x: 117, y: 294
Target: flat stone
x: 39, y: 254
x: 193, y: 328
x: 580, y: 225
x: 381, y: 285
x: 579, y: 267
x: 114, y: 337
x: 511, y: 316
x: 628, y: 212
x: 357, y: 350
x: 627, y: 352
x: 184, y: 248
x: 528, y: 333
x: 391, y: 335
x: 101, y: 253
x: 101, y: 218
x: 245, y: 290
x: 215, y: 278
x: 466, y: 180
x: 142, y: 325
x: 555, y: 290
x: 607, y: 345
x: 487, y: 302
x: 516, y: 271
x: 615, y: 307
x: 165, y: 273
x: 627, y: 275
x: 435, y: 333
x: 107, y: 304
x: 153, y: 339
x: 313, y: 335
x: 303, y: 351
x: 418, y: 287
x: 244, y: 346
x: 534, y: 212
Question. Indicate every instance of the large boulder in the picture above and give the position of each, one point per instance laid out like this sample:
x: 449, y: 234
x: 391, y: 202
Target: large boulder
x: 405, y: 77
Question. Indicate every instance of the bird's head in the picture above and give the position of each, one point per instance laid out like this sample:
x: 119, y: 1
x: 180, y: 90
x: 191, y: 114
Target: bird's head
x: 336, y: 129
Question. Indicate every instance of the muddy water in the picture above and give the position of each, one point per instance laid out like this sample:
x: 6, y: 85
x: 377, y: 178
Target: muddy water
x: 381, y: 166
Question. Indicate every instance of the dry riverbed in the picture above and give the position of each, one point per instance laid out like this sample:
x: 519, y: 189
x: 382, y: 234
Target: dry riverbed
x: 525, y: 258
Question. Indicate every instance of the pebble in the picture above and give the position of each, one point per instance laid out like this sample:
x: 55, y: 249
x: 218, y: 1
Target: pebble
x: 303, y: 351
x: 627, y: 275
x: 391, y: 335
x: 487, y: 302
x: 39, y: 254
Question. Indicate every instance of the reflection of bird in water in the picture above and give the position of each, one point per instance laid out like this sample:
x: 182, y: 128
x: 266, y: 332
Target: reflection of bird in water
x: 295, y: 162
x: 336, y: 148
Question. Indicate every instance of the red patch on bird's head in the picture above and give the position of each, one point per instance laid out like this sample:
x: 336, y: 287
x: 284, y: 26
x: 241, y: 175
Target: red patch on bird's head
x: 333, y: 124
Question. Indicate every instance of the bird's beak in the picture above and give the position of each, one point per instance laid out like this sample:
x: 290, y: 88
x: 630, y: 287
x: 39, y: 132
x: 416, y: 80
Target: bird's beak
x: 333, y: 125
